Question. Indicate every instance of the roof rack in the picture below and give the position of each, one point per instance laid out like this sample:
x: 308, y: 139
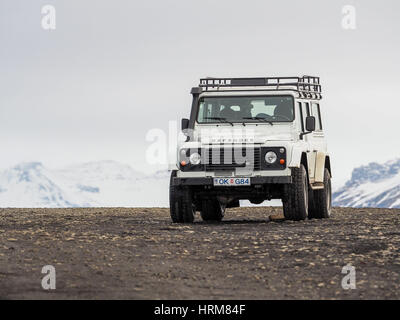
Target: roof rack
x: 306, y: 86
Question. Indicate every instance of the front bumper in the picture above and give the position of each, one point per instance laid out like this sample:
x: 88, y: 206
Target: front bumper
x: 208, y: 181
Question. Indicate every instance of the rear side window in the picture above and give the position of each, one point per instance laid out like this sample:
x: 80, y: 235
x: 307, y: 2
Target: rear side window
x: 306, y: 112
x: 316, y: 112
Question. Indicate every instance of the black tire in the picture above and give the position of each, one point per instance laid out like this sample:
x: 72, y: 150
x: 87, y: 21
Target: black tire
x: 181, y: 206
x: 295, y: 199
x: 173, y: 201
x: 211, y: 210
x: 321, y: 205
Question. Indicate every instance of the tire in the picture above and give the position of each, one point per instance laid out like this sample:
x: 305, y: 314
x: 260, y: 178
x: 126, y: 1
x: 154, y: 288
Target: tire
x: 321, y: 206
x: 173, y: 201
x: 181, y: 206
x: 295, y: 199
x: 211, y: 210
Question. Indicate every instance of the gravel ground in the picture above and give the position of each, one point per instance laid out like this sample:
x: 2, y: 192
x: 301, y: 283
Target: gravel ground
x: 121, y: 253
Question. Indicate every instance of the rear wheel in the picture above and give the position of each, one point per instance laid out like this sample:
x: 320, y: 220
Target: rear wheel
x: 211, y: 210
x: 295, y: 200
x: 322, y: 199
x: 180, y: 202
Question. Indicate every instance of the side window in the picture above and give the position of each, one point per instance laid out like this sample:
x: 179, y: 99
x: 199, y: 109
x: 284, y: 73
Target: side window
x: 302, y: 119
x: 317, y: 114
x: 306, y: 111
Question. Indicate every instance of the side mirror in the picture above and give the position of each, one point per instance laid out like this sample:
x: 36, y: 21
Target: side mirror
x: 185, y: 124
x: 310, y: 124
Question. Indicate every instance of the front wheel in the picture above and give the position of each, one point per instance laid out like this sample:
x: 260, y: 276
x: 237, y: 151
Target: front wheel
x: 180, y: 202
x: 322, y: 199
x: 295, y: 199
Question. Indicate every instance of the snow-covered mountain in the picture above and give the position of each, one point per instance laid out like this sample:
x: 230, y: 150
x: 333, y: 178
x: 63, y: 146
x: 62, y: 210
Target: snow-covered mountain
x: 113, y: 184
x: 373, y: 185
x: 93, y: 184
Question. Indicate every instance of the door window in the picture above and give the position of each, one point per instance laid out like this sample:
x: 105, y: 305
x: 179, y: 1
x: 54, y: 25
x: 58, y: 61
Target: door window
x: 317, y: 114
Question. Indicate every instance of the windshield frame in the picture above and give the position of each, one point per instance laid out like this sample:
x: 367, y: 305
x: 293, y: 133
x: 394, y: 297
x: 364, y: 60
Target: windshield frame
x: 247, y: 121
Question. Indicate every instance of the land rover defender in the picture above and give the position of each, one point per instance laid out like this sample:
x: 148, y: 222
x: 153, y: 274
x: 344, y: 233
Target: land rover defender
x: 252, y: 139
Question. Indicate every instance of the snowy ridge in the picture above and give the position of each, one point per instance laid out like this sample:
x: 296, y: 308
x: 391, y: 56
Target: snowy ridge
x: 113, y: 184
x: 373, y: 185
x: 93, y: 184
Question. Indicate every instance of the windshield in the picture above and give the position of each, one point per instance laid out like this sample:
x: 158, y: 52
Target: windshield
x: 246, y: 109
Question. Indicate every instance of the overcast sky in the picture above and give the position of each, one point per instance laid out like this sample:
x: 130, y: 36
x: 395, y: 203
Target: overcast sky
x: 112, y: 70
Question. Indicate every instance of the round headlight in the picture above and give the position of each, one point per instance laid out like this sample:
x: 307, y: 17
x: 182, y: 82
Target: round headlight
x: 195, y: 158
x: 270, y: 157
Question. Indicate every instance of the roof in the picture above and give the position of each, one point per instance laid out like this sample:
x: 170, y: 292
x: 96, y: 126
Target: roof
x: 306, y: 86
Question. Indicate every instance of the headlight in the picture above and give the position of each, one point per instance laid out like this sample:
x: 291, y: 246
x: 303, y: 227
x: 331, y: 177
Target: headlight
x: 270, y: 157
x: 195, y: 158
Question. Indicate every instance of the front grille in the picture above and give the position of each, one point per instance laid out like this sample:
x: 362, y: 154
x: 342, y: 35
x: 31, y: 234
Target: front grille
x: 231, y: 158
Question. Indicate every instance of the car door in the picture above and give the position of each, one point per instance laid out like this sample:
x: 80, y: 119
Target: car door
x: 316, y: 139
x: 309, y: 140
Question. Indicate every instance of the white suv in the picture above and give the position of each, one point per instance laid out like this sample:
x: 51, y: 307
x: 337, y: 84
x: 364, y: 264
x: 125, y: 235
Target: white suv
x: 256, y: 139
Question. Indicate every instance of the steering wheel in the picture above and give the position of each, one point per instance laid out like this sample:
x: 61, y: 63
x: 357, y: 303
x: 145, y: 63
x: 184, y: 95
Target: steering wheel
x: 282, y: 116
x: 264, y: 116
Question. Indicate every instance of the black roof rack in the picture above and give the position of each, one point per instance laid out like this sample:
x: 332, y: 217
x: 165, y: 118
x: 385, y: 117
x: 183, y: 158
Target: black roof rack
x: 306, y: 86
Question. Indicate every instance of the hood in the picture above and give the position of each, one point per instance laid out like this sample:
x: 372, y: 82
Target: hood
x: 245, y: 135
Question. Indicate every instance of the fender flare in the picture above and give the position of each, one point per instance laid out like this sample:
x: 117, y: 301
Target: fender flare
x: 295, y: 160
x: 320, y: 165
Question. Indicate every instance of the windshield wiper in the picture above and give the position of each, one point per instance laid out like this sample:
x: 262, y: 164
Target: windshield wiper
x: 219, y: 119
x: 259, y: 118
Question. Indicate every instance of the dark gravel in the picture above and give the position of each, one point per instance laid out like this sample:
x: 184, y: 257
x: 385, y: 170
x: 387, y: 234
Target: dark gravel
x: 119, y: 253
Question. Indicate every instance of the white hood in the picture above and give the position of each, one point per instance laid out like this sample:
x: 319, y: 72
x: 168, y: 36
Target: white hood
x: 247, y: 134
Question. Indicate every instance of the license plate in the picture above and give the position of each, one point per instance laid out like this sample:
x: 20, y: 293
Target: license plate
x: 232, y: 181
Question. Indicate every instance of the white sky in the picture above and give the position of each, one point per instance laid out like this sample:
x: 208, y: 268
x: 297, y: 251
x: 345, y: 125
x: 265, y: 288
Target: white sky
x: 112, y: 70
